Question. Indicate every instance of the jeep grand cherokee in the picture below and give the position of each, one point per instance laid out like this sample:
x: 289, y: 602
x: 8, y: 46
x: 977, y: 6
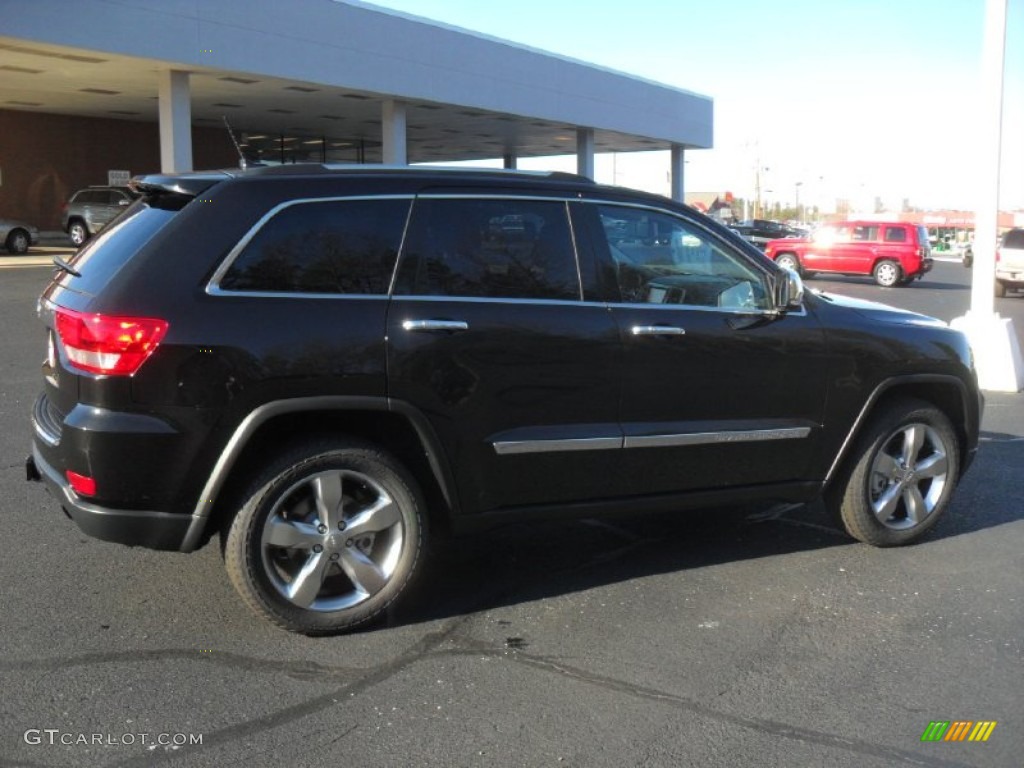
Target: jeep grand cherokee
x: 341, y: 361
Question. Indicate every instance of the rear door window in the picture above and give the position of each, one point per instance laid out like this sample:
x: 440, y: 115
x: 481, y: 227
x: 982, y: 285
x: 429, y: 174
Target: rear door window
x: 322, y: 247
x: 895, y: 235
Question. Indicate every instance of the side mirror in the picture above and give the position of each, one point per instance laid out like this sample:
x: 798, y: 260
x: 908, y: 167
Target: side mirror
x: 789, y: 291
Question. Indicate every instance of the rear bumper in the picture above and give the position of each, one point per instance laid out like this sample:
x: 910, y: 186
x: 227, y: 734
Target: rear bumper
x: 136, y: 528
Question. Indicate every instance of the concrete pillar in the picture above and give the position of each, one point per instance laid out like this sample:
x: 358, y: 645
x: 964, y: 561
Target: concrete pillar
x: 175, y: 107
x: 392, y: 118
x: 585, y: 152
x: 676, y: 173
x: 510, y: 160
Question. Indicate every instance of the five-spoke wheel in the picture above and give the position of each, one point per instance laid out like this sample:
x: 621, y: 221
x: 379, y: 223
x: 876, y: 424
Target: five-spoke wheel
x: 906, y: 465
x: 330, y: 536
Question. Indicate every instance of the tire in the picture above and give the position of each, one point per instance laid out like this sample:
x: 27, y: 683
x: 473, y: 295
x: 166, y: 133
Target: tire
x: 888, y: 273
x: 1000, y: 289
x: 788, y: 261
x: 78, y: 233
x: 18, y: 242
x: 904, y: 470
x: 330, y: 535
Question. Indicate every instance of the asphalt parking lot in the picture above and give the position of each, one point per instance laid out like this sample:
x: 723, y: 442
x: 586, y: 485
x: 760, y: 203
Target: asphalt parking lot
x: 721, y: 638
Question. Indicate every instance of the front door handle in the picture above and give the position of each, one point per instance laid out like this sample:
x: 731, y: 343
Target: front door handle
x: 657, y: 330
x: 435, y: 325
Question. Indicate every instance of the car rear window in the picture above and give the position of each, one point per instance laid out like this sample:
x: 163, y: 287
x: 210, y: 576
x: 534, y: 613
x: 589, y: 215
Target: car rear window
x: 100, y: 260
x: 1014, y: 239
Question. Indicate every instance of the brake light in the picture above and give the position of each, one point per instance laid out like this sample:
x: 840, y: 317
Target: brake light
x: 999, y: 254
x: 81, y: 484
x: 110, y: 344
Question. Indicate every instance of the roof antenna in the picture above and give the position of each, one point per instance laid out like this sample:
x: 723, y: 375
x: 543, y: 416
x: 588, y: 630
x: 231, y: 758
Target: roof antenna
x: 243, y: 163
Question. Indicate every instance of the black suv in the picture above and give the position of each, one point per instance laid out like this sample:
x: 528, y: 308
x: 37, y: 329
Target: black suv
x: 88, y: 210
x: 342, y: 360
x: 761, y: 231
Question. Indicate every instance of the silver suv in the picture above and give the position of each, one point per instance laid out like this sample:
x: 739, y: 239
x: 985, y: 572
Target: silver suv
x: 89, y: 210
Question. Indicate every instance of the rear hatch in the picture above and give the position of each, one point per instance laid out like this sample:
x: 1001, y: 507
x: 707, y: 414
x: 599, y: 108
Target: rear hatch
x: 1011, y: 252
x: 89, y: 351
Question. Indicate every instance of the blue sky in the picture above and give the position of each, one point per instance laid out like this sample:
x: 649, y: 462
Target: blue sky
x: 851, y: 99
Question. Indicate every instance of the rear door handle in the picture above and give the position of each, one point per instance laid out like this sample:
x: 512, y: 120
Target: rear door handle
x: 657, y: 330
x: 435, y: 325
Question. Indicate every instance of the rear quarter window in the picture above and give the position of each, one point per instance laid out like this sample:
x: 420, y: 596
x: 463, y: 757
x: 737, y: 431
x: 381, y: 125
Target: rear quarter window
x: 895, y: 235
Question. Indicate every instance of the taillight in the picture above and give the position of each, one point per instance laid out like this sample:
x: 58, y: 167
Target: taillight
x: 108, y: 344
x: 999, y: 254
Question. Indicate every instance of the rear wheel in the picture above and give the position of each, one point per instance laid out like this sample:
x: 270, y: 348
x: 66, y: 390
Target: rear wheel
x: 1000, y: 289
x: 330, y: 536
x: 788, y: 261
x: 888, y: 273
x: 18, y: 242
x: 906, y: 467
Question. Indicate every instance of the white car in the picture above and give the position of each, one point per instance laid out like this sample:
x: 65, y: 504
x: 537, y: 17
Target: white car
x: 1010, y: 261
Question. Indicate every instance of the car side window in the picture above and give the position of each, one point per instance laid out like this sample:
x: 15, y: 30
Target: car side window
x: 895, y: 235
x: 489, y: 248
x: 334, y: 247
x: 662, y: 259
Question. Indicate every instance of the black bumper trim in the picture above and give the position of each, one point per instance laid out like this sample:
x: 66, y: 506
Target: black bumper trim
x: 135, y: 528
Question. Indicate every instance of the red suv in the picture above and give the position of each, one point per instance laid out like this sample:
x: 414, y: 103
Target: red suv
x: 894, y: 253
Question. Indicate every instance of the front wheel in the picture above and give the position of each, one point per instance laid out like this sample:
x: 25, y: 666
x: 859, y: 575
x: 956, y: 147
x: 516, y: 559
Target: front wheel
x: 331, y: 534
x: 906, y: 468
x: 888, y: 273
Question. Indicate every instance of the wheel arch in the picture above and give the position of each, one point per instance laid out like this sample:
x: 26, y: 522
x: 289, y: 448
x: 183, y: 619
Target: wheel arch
x: 395, y: 426
x: 947, y: 393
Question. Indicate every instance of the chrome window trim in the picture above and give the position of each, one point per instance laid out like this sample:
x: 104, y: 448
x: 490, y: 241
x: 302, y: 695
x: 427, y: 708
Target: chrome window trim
x: 500, y: 300
x: 213, y: 286
x: 512, y: 447
x: 708, y: 438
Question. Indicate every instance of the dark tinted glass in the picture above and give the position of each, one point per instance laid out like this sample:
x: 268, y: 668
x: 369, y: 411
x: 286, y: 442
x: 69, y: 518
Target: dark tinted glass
x: 92, y: 196
x: 489, y: 248
x: 104, y: 255
x: 1014, y: 239
x: 339, y: 246
x: 895, y: 235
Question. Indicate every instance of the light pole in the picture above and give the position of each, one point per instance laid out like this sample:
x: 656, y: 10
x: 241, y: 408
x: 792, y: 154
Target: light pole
x: 993, y: 339
x: 799, y: 217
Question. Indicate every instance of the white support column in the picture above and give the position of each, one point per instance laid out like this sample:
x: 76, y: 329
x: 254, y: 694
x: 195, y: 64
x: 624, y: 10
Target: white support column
x: 677, y: 174
x: 585, y: 152
x: 175, y: 122
x: 392, y: 118
x: 993, y: 339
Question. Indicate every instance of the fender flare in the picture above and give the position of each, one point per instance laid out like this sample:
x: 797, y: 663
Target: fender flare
x: 259, y: 416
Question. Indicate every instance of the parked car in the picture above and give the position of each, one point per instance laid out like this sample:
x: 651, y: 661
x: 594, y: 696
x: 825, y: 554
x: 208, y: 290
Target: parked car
x: 761, y: 231
x: 88, y: 210
x: 1010, y: 262
x: 894, y: 253
x: 17, y: 236
x: 356, y: 360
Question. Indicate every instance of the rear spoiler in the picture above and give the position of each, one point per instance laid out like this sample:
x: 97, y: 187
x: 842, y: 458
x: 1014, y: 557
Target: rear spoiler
x: 190, y: 184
